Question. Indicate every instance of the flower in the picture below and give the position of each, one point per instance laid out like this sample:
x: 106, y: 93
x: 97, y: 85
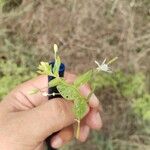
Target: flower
x: 44, y: 68
x: 104, y: 66
x: 55, y: 48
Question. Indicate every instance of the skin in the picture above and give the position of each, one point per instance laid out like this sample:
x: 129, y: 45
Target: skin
x: 27, y: 120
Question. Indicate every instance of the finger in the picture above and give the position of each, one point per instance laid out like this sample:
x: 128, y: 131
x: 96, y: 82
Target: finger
x: 49, y: 117
x: 69, y: 77
x: 93, y: 119
x: 67, y: 134
x: 93, y: 101
x: 40, y: 147
x: 20, y: 98
x: 61, y: 138
x: 26, y: 100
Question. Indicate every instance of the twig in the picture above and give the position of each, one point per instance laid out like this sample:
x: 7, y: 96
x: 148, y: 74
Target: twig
x: 114, y: 7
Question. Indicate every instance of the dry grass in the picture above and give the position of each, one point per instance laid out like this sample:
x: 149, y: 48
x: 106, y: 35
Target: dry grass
x: 101, y: 28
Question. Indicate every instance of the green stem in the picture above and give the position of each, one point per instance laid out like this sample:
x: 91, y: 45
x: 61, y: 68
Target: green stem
x: 111, y: 61
x: 78, y: 129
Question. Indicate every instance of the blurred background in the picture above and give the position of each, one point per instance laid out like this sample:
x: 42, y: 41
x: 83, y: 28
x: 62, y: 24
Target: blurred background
x: 85, y: 31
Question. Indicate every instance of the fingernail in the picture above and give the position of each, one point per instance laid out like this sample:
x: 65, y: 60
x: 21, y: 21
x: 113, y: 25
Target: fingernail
x: 98, y: 121
x: 57, y: 142
x: 94, y: 102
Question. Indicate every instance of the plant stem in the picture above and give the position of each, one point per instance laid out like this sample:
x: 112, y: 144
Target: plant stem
x: 78, y: 128
x: 111, y: 61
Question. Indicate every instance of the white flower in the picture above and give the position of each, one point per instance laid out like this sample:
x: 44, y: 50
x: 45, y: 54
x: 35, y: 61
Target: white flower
x: 103, y: 67
x: 55, y: 48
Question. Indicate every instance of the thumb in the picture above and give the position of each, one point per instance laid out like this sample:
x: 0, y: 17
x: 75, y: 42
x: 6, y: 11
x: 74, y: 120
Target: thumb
x: 49, y: 117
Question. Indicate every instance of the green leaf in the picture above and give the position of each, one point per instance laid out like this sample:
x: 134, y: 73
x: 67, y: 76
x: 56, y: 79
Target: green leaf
x: 34, y: 91
x: 2, y: 2
x: 83, y: 79
x: 80, y: 107
x: 54, y: 82
x: 56, y: 66
x: 68, y: 91
x: 146, y: 116
x: 45, y: 68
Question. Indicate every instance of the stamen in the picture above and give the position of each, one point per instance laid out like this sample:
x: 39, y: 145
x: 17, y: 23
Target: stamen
x: 111, y: 61
x: 97, y: 63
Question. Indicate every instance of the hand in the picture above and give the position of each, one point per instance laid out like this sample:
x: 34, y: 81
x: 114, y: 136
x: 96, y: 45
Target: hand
x: 27, y: 120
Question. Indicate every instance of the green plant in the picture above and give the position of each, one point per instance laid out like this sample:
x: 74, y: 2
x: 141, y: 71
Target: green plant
x: 128, y: 85
x: 2, y: 2
x: 142, y: 107
x: 8, y: 5
x: 11, y: 75
x: 71, y: 91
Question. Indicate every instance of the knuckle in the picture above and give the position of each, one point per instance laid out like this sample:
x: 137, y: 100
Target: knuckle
x: 70, y: 77
x: 19, y: 96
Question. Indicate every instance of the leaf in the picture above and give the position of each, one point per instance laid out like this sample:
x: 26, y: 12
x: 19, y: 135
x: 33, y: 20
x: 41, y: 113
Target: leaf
x: 54, y: 82
x: 80, y: 107
x: 83, y: 79
x: 34, y: 91
x: 57, y: 66
x: 2, y: 2
x: 68, y: 91
x: 44, y: 68
x: 146, y: 116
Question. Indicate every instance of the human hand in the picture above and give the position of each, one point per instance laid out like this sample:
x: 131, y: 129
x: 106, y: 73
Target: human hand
x: 27, y: 120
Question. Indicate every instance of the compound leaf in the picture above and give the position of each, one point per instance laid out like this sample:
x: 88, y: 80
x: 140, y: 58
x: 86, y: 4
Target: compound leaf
x: 44, y: 68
